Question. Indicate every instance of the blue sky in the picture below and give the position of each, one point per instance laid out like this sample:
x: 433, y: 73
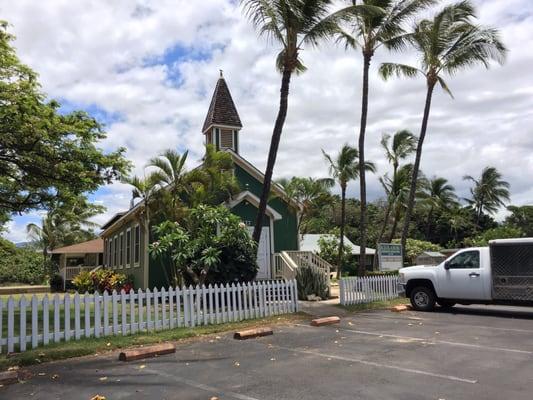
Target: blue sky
x: 147, y: 70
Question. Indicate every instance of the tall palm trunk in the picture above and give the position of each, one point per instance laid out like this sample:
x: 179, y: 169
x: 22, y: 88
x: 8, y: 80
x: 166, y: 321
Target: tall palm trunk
x: 428, y: 223
x: 362, y: 178
x: 431, y: 81
x: 395, y: 223
x: 272, y: 153
x: 479, y: 211
x: 343, y: 221
x: 383, y: 228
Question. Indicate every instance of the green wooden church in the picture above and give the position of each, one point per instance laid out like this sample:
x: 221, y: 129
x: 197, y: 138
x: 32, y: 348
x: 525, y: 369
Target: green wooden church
x: 126, y: 240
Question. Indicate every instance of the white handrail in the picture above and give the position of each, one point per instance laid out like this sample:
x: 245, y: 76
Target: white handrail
x: 287, y: 262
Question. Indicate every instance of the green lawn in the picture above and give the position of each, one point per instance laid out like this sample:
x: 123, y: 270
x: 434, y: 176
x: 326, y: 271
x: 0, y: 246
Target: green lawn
x: 376, y: 305
x: 85, y: 347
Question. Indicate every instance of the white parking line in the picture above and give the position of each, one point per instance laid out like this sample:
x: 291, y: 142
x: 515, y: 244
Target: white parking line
x: 430, y: 341
x: 214, y: 390
x: 436, y: 323
x: 379, y: 365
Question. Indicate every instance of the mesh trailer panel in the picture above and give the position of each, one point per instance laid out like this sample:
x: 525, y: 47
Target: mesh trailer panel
x: 512, y: 271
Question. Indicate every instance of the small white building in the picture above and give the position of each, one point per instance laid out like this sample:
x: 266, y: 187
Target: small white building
x: 430, y: 258
x: 309, y: 242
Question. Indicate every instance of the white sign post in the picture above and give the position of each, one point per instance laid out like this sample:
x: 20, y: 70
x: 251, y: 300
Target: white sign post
x: 390, y: 256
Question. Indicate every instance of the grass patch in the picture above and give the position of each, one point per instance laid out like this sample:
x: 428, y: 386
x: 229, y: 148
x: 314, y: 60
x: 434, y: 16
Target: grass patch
x: 84, y: 347
x: 375, y: 305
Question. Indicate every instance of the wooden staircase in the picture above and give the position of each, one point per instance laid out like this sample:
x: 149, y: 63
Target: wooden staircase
x: 287, y: 262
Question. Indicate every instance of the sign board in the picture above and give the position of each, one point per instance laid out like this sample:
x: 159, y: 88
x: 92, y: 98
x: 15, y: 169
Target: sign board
x: 390, y: 256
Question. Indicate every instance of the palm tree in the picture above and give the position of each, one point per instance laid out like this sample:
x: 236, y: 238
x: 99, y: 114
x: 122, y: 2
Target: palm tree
x: 49, y: 235
x: 343, y: 169
x: 489, y: 192
x: 65, y: 224
x: 306, y: 191
x: 170, y: 173
x: 144, y: 189
x: 447, y: 44
x: 379, y: 23
x: 291, y: 24
x: 397, y: 189
x: 402, y: 146
x: 214, y: 181
x: 437, y: 195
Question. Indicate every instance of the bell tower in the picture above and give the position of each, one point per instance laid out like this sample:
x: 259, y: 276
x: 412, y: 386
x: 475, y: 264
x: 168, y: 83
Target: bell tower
x: 222, y: 123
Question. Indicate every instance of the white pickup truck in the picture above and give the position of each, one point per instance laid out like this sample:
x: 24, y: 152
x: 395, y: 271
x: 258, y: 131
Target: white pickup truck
x: 501, y: 273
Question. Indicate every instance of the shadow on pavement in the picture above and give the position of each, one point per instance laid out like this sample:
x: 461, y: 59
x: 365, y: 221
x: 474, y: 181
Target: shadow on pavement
x: 491, y: 312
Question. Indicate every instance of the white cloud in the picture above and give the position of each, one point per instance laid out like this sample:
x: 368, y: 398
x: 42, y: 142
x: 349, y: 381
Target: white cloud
x: 115, y: 55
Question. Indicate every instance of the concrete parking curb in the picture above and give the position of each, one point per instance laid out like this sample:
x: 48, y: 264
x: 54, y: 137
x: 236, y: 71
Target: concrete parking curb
x: 8, y: 377
x: 325, y: 321
x: 400, y: 308
x: 145, y: 352
x: 252, y: 333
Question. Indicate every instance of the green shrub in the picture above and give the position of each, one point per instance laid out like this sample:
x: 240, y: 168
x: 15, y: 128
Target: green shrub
x: 211, y: 246
x: 101, y: 280
x: 311, y: 281
x: 501, y: 232
x: 329, y: 251
x: 83, y: 282
x: 19, y: 265
x: 382, y: 273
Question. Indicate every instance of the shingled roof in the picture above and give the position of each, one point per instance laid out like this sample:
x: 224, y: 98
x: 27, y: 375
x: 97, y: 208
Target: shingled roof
x: 222, y: 110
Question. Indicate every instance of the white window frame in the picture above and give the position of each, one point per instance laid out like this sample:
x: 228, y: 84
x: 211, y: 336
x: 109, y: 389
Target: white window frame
x: 121, y: 250
x: 115, y: 251
x: 136, y: 263
x: 127, y: 250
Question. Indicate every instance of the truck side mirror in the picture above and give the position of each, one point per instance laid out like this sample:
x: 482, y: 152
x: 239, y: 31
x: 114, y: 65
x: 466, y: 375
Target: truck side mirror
x: 447, y: 265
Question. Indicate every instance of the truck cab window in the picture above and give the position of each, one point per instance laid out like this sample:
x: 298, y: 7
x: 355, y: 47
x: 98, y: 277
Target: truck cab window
x: 467, y: 259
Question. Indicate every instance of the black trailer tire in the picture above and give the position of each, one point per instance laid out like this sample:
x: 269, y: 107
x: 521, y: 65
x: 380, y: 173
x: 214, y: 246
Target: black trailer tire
x: 445, y: 303
x: 423, y: 298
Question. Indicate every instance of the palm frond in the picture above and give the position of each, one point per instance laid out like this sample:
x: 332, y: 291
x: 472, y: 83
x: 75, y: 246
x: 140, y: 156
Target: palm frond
x: 387, y: 70
x: 444, y: 86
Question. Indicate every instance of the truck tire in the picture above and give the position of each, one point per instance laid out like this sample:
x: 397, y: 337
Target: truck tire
x: 423, y: 298
x: 445, y: 303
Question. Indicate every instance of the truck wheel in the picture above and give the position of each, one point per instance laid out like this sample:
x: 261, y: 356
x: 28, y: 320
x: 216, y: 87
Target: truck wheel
x: 423, y: 298
x: 445, y: 304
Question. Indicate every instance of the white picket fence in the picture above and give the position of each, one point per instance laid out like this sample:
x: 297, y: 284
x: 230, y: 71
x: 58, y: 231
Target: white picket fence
x: 357, y: 290
x: 39, y: 321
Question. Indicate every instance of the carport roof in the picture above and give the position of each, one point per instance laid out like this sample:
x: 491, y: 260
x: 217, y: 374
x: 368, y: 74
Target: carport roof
x: 91, y: 246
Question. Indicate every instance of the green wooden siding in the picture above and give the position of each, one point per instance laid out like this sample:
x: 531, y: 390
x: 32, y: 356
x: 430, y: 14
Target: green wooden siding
x: 286, y: 229
x: 136, y: 272
x: 285, y: 233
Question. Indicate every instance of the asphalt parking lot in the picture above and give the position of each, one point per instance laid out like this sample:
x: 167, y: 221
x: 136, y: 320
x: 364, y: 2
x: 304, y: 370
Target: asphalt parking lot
x: 469, y: 353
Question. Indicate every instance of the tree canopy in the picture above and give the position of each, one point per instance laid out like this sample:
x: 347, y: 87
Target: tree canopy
x: 45, y: 155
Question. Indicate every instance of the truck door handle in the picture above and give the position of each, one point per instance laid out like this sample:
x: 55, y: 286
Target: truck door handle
x: 473, y: 274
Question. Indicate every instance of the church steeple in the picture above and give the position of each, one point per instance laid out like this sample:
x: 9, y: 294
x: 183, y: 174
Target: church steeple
x: 222, y: 123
